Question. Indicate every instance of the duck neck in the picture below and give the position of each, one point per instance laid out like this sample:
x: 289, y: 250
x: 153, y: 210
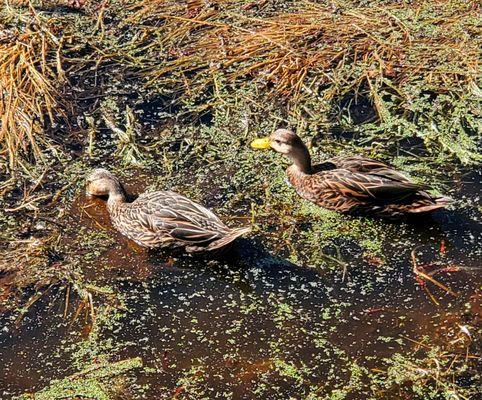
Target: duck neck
x: 117, y: 195
x: 301, y: 159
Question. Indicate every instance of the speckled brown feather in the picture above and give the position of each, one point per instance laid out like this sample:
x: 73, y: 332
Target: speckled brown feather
x: 359, y: 185
x: 168, y: 219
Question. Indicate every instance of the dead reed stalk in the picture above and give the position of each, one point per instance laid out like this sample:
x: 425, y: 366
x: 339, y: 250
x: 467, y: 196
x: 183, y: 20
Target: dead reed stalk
x: 30, y: 69
x: 313, y: 45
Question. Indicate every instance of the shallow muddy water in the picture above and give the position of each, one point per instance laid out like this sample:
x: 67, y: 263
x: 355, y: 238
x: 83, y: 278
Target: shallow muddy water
x: 255, y: 325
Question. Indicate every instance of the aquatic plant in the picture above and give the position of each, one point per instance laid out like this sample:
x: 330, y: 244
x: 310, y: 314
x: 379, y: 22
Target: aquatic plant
x: 433, y: 376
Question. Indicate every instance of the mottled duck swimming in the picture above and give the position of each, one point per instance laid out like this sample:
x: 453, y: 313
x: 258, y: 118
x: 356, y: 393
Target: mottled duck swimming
x: 351, y: 185
x: 161, y: 219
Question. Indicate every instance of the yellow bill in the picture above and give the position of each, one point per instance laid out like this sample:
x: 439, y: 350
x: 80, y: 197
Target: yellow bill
x: 260, y: 144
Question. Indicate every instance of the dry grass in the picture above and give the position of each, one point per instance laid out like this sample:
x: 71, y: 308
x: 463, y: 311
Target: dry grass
x: 30, y: 69
x: 293, y: 51
x: 314, y: 45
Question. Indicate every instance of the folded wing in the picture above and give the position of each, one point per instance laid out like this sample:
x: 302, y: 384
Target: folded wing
x: 363, y: 165
x: 168, y: 213
x: 369, y: 187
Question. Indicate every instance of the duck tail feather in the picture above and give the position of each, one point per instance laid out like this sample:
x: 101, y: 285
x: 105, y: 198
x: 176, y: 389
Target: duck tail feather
x: 438, y: 202
x: 230, y: 237
x: 444, y: 200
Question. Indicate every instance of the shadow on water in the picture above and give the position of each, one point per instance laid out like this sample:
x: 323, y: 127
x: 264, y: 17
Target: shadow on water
x: 236, y: 317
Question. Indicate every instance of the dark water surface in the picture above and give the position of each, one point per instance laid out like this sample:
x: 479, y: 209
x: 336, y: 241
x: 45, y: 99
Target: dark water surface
x: 254, y: 325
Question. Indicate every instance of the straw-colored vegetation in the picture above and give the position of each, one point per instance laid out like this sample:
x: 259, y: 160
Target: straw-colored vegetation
x: 414, y: 68
x: 313, y: 46
x: 30, y: 71
x: 415, y: 65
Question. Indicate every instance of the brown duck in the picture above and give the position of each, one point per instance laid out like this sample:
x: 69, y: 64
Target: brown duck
x: 161, y: 219
x: 352, y: 185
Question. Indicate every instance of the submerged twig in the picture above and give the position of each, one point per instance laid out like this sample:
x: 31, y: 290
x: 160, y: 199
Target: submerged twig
x: 423, y: 275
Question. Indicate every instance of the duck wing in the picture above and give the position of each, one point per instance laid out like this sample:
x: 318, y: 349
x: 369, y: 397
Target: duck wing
x: 363, y: 165
x: 169, y: 213
x: 358, y: 163
x: 372, y: 187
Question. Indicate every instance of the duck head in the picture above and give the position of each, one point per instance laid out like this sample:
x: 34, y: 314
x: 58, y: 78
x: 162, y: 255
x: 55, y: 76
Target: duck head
x: 101, y: 182
x: 289, y: 144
